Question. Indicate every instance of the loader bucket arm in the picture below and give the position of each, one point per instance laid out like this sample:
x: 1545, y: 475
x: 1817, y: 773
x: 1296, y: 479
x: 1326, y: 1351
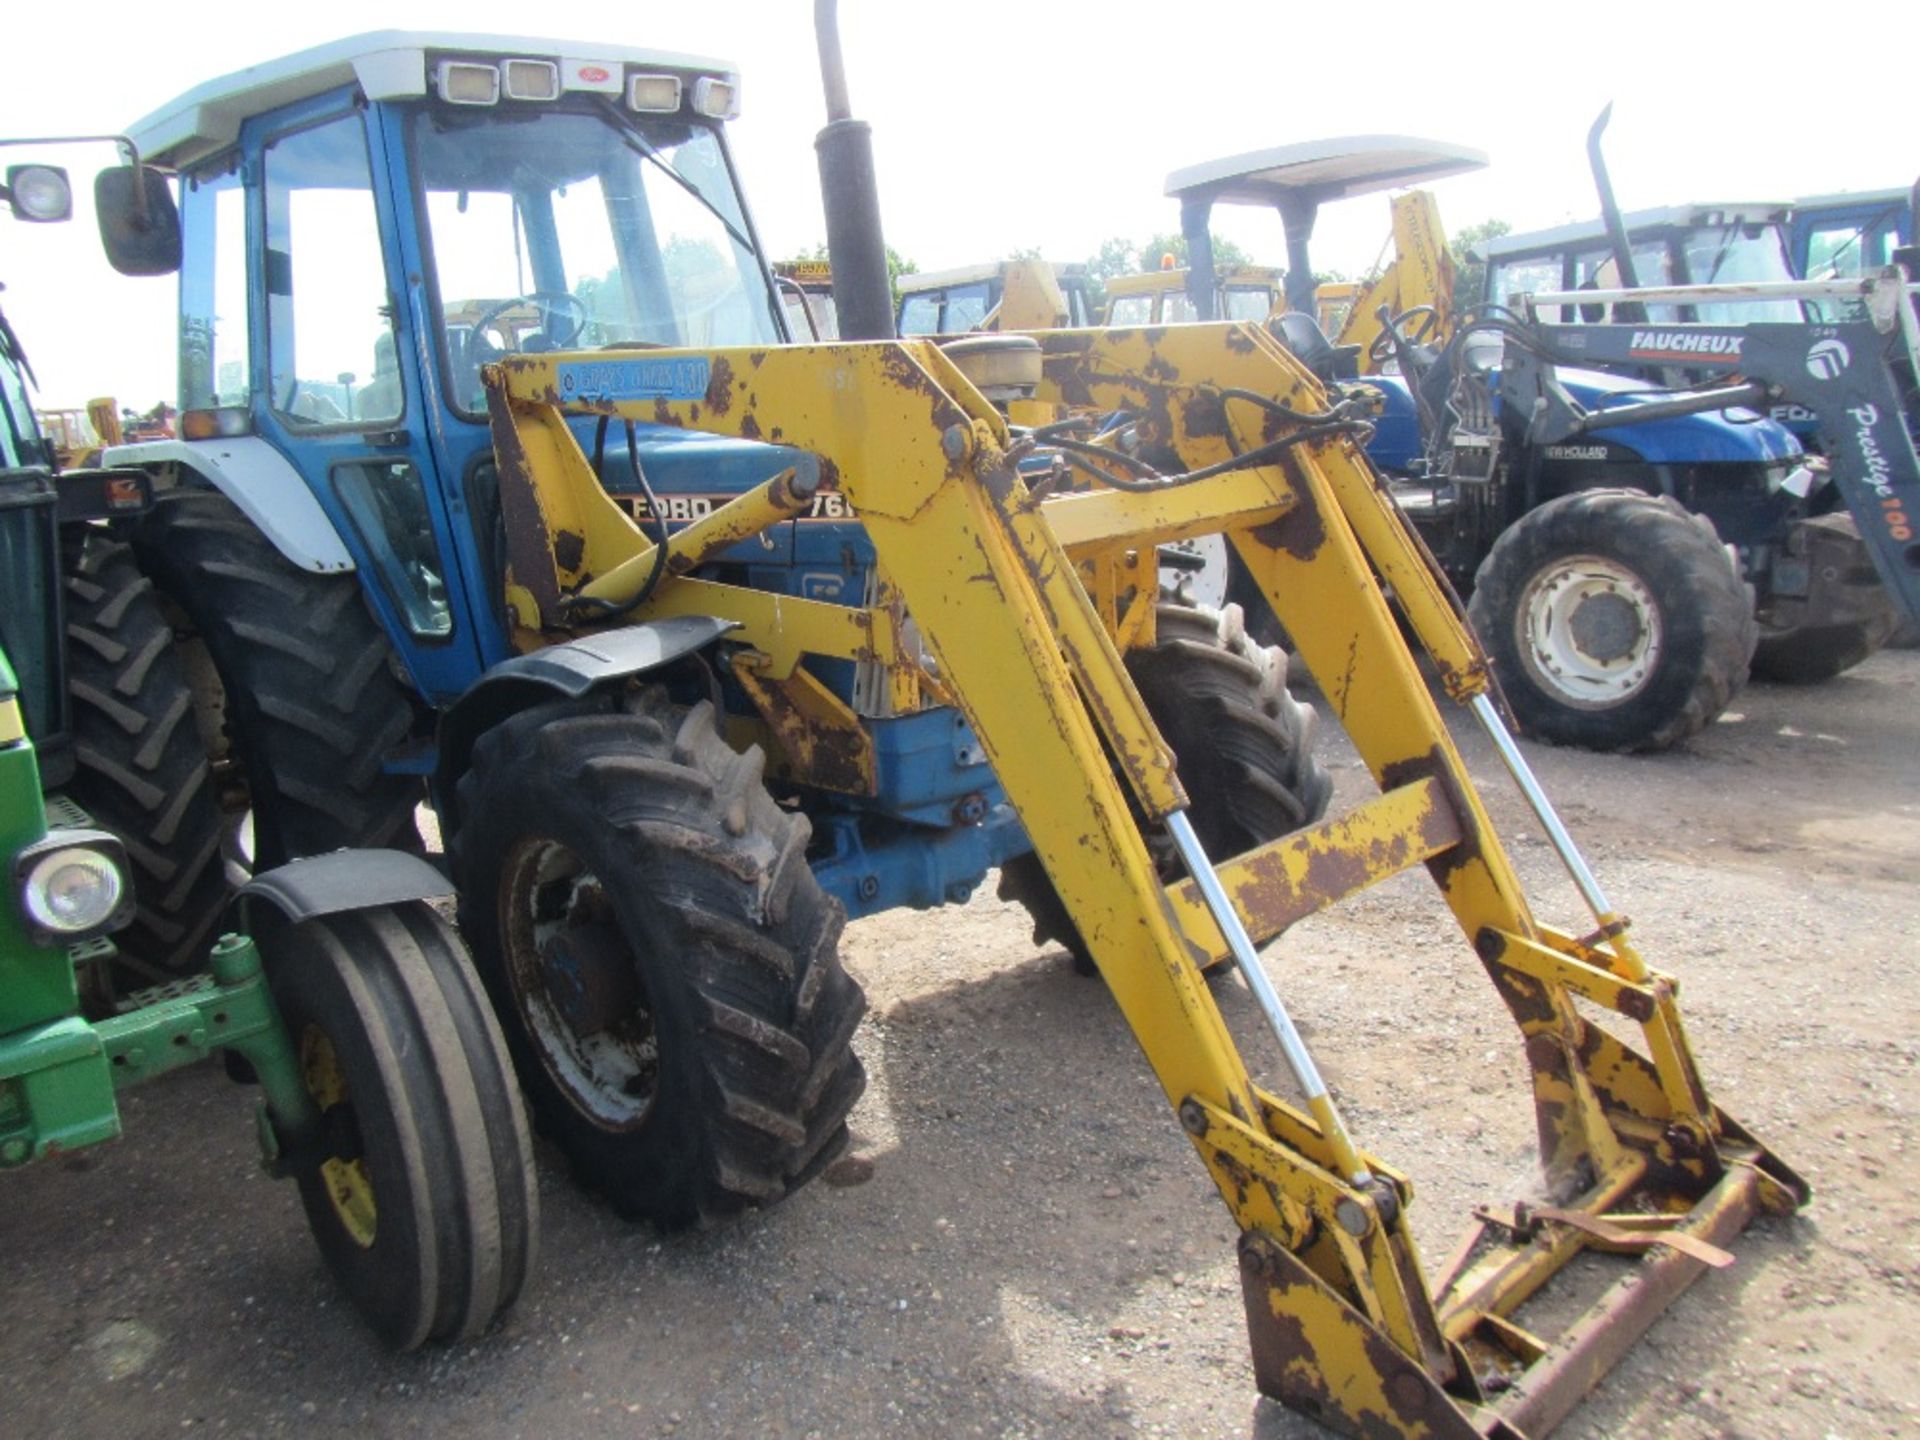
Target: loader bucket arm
x: 1015, y: 597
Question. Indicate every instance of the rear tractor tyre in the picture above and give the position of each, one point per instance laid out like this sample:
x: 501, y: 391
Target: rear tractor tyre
x: 1615, y: 620
x: 1244, y: 747
x: 662, y: 959
x: 424, y: 1201
x: 310, y: 702
x: 139, y: 768
x: 1813, y: 654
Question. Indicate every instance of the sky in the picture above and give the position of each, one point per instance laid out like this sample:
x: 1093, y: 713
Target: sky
x: 1009, y: 125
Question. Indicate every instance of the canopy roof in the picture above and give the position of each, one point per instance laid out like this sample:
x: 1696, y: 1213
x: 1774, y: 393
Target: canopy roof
x: 1321, y: 170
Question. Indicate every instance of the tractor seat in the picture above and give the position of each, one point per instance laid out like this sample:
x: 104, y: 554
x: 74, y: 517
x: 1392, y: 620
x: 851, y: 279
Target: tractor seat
x: 1302, y: 335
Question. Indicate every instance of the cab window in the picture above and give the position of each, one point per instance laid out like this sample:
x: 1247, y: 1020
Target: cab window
x: 214, y: 358
x: 967, y: 306
x: 330, y: 340
x: 920, y: 314
x: 1248, y: 302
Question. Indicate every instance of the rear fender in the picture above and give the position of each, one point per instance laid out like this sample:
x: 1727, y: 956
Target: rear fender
x: 262, y: 482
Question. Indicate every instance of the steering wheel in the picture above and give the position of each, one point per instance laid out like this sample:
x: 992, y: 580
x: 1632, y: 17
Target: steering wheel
x: 553, y: 305
x: 1399, y: 333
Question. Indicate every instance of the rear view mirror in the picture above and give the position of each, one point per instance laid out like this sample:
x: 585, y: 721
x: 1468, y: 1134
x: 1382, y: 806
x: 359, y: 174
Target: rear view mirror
x: 139, y: 223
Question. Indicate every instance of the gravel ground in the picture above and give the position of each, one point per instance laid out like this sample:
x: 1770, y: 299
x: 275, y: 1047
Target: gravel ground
x: 1031, y: 1248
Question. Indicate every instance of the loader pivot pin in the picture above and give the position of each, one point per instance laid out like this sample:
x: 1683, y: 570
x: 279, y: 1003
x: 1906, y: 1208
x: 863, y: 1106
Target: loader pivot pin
x: 1305, y: 1073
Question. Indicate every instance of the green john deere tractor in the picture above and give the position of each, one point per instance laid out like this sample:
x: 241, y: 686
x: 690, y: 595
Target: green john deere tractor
x: 332, y: 983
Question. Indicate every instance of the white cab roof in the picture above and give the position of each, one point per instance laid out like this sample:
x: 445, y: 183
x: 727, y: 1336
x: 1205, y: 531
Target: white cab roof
x: 1321, y: 170
x: 387, y: 65
x: 1637, y: 222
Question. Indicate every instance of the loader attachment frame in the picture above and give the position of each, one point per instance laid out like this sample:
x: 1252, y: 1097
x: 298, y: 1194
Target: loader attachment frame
x: 1024, y: 599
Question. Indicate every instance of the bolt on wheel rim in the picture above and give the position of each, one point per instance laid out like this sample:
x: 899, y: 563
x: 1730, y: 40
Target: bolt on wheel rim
x: 349, y: 1186
x: 1589, y: 631
x: 576, y: 986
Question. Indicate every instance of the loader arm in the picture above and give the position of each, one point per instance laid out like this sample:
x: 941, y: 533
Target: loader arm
x: 1024, y: 604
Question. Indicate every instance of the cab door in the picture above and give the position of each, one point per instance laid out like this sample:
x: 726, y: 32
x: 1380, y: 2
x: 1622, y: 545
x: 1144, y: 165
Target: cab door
x: 332, y: 390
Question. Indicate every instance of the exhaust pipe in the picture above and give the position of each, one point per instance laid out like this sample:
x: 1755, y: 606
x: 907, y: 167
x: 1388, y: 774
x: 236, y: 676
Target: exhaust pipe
x: 1616, y: 227
x: 856, y: 248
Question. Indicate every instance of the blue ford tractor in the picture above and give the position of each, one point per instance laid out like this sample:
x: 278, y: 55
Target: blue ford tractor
x: 364, y: 231
x: 500, y: 483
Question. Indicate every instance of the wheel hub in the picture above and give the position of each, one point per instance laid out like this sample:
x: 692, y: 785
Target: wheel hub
x: 576, y: 985
x: 1606, y: 627
x: 344, y: 1173
x: 1590, y: 632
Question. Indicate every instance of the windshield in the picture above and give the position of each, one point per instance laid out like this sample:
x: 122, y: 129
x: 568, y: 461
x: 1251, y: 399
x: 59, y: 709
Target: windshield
x: 577, y: 229
x: 1736, y: 254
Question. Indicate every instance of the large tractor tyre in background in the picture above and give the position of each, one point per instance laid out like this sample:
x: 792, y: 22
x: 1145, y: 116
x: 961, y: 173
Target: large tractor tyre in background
x: 1812, y: 654
x: 310, y: 703
x: 662, y: 959
x: 1244, y: 747
x: 1615, y: 621
x: 422, y: 1193
x: 140, y: 770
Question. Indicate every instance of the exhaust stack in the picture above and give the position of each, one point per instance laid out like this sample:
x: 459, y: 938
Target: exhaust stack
x: 856, y: 248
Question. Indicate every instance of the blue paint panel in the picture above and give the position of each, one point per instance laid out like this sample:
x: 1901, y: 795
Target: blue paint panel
x: 1707, y: 439
x: 873, y: 866
x: 1711, y: 438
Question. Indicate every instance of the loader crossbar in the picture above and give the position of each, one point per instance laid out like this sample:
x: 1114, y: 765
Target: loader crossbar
x: 1024, y: 603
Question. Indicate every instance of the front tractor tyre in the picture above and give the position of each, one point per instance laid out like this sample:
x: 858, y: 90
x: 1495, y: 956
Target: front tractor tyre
x: 662, y: 959
x: 1615, y: 620
x: 1243, y: 744
x: 421, y: 1189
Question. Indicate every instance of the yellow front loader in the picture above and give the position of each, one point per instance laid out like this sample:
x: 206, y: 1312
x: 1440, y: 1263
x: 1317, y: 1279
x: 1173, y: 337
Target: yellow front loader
x: 1026, y: 580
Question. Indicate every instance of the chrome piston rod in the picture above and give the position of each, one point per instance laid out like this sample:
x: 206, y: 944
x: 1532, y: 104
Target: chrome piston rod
x: 1543, y: 810
x: 1299, y: 1060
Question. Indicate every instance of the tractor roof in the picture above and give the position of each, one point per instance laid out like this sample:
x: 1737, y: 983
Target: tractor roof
x: 1322, y: 170
x: 1853, y: 199
x: 387, y: 65
x: 1681, y: 217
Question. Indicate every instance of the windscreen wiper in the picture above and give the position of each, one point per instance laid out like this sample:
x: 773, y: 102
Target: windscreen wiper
x: 638, y: 143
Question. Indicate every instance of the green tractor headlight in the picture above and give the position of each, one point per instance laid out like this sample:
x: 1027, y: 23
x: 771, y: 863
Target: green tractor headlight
x: 73, y: 885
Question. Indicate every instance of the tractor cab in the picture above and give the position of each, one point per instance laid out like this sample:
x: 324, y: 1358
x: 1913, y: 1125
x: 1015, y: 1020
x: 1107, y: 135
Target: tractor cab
x: 1000, y: 295
x: 1711, y: 244
x: 1296, y: 180
x: 366, y: 225
x: 1161, y: 297
x: 806, y: 289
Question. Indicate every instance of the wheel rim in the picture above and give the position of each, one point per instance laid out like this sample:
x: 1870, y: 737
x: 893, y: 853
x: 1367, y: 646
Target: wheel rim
x: 349, y: 1186
x: 576, y: 987
x: 1589, y: 631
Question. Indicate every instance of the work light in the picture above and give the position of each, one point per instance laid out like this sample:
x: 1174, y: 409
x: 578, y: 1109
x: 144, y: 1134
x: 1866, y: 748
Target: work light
x: 653, y: 94
x: 467, y: 82
x: 39, y: 193
x: 716, y: 99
